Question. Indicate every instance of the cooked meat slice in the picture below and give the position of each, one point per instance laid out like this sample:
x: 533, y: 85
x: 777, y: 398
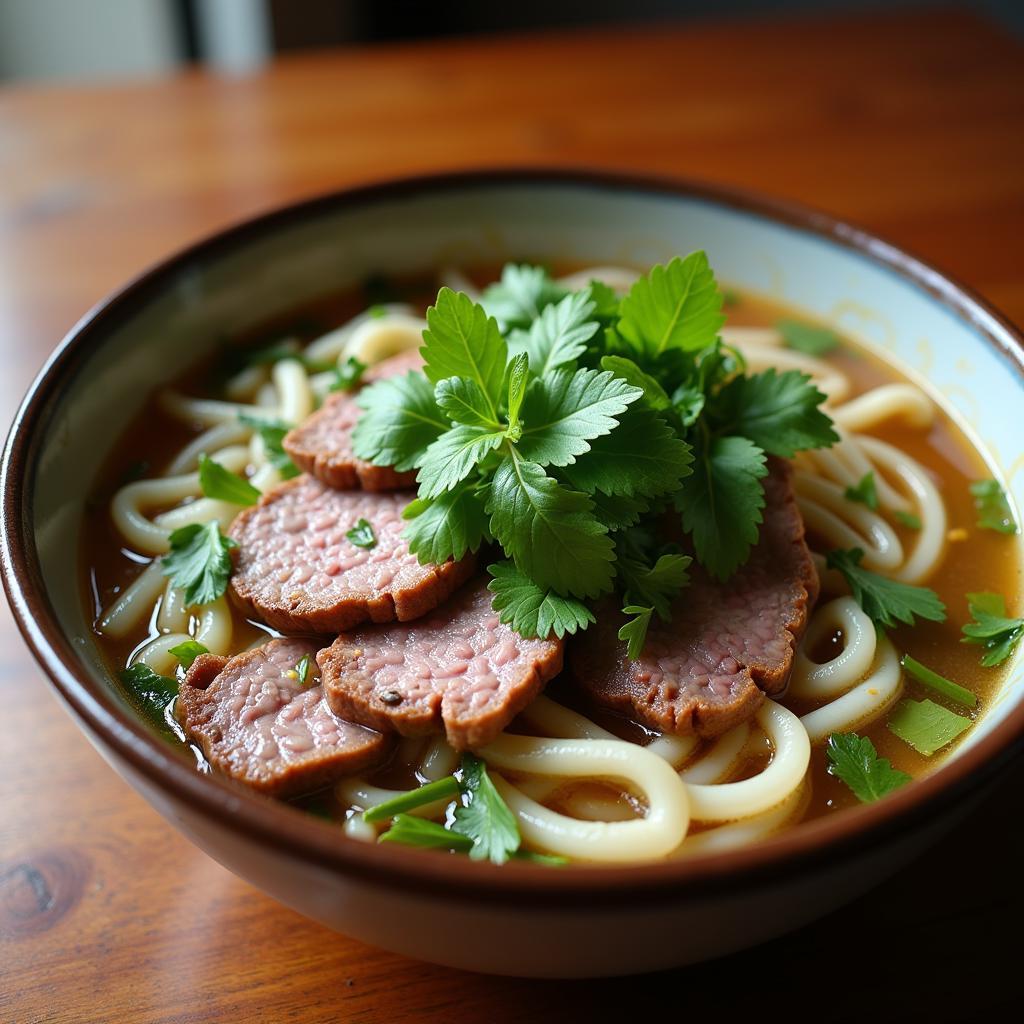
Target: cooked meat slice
x: 256, y: 722
x: 297, y: 570
x: 727, y: 644
x: 322, y: 445
x: 459, y: 670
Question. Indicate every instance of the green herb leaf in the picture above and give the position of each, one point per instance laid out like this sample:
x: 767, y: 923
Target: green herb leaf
x: 220, y: 483
x: 362, y: 535
x: 521, y: 295
x: 617, y: 511
x: 642, y: 456
x: 865, y: 492
x: 273, y: 432
x: 485, y: 818
x: 447, y: 526
x: 654, y: 393
x: 443, y: 789
x: 186, y: 652
x: 518, y: 376
x: 885, y: 601
x: 854, y: 760
x: 152, y: 692
x: 412, y: 831
x: 559, y: 335
x: 657, y: 585
x: 565, y: 410
x: 673, y: 306
x: 199, y: 561
x: 461, y: 340
x: 992, y: 629
x: 530, y: 611
x: 814, y: 341
x: 400, y: 420
x: 453, y: 456
x: 302, y: 670
x: 908, y: 519
x: 348, y: 376
x: 993, y: 508
x: 940, y: 684
x: 553, y: 860
x: 634, y: 632
x: 777, y: 411
x: 549, y: 531
x: 721, y: 505
x: 461, y: 399
x: 926, y: 726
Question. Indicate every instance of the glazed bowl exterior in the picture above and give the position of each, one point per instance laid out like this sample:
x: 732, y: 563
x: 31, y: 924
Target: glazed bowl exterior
x: 517, y: 919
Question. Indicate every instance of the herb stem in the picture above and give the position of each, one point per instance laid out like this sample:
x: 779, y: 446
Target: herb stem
x: 940, y: 684
x: 444, y: 789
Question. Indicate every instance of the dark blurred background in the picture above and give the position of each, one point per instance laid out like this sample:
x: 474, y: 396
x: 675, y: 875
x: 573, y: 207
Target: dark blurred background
x: 93, y: 39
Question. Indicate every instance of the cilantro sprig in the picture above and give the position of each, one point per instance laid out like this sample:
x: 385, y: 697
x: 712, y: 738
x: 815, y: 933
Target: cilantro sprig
x: 854, y: 760
x: 992, y: 628
x: 993, y: 507
x: 199, y: 561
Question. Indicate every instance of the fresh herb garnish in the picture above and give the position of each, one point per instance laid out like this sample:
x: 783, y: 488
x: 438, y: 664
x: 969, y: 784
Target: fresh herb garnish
x: 885, y: 601
x: 812, y: 341
x: 362, y: 535
x: 926, y: 726
x: 854, y: 760
x: 485, y: 818
x: 908, y: 519
x: 220, y: 483
x: 521, y: 295
x: 153, y: 692
x: 531, y: 611
x: 940, y: 684
x: 187, y: 651
x: 273, y: 432
x: 409, y: 830
x: 992, y: 506
x: 199, y: 561
x: 865, y: 492
x: 443, y: 789
x: 634, y: 632
x: 348, y: 376
x: 992, y: 628
x: 302, y: 670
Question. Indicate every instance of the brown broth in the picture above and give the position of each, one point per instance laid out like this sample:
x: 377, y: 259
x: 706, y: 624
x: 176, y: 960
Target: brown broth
x: 981, y: 560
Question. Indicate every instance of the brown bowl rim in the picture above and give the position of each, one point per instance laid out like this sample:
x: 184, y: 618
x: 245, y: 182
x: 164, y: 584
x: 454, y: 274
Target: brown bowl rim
x: 838, y: 840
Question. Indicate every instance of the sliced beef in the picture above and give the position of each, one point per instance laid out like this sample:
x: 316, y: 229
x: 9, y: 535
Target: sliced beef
x: 322, y: 445
x: 297, y: 571
x: 459, y: 670
x: 727, y: 644
x: 257, y: 723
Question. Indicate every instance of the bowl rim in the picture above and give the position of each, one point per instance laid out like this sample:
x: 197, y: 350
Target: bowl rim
x: 228, y: 805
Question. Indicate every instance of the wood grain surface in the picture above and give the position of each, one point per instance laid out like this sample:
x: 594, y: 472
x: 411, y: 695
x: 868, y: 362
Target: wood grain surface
x: 912, y: 125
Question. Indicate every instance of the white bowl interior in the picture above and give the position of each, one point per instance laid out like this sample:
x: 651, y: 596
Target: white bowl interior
x: 231, y: 288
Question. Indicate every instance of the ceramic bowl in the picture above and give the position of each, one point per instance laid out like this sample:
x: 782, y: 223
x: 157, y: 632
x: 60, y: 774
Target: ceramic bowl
x: 516, y: 919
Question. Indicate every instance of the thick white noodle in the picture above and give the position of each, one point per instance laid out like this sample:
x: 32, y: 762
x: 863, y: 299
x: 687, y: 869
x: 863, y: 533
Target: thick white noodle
x: 331, y: 345
x: 650, y: 837
x: 380, y: 337
x: 134, y: 603
x: 360, y: 794
x: 173, y: 614
x: 588, y: 806
x: 817, y: 681
x: 834, y: 383
x: 210, y: 440
x: 356, y: 828
x: 868, y: 410
x: 769, y: 337
x: 244, y: 385
x: 439, y: 760
x: 864, y: 703
x: 847, y: 464
x: 207, y: 412
x: 718, y: 763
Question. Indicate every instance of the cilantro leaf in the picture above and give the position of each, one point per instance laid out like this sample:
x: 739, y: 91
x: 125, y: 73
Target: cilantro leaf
x: 642, y: 456
x: 566, y: 410
x: 560, y: 333
x: 885, y: 601
x: 530, y: 611
x: 854, y: 760
x: 187, y: 651
x: 549, y: 531
x: 447, y: 526
x: 521, y: 295
x: 152, y: 692
x: 926, y: 726
x: 654, y: 393
x: 634, y: 632
x: 348, y: 376
x: 453, y: 456
x: 461, y: 400
x: 992, y: 628
x: 485, y: 818
x: 721, y: 505
x: 273, y: 432
x: 409, y: 830
x: 461, y: 340
x: 993, y: 508
x: 443, y: 789
x: 865, y: 492
x: 362, y: 535
x: 220, y: 483
x: 777, y: 411
x: 673, y: 306
x: 656, y: 585
x: 199, y: 561
x: 806, y: 338
x: 399, y: 421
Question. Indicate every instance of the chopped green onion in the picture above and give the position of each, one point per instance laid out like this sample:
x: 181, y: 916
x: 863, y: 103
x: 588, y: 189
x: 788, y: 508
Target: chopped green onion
x: 908, y: 519
x: 412, y: 831
x: 940, y: 684
x: 444, y: 789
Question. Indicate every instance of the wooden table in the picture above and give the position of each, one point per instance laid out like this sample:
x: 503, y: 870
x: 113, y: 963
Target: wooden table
x: 912, y: 125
